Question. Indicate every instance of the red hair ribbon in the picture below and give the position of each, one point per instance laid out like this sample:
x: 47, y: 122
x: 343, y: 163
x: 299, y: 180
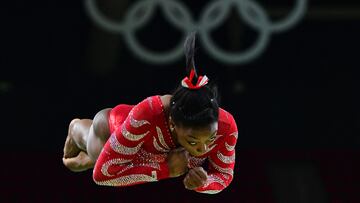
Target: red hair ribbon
x: 202, y: 81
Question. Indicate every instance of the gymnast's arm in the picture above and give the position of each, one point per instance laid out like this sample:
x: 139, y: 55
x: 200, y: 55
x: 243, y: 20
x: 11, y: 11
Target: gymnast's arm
x: 221, y: 164
x: 118, y: 163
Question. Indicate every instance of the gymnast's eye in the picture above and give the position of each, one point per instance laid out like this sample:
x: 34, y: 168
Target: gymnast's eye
x: 211, y: 140
x: 192, y: 143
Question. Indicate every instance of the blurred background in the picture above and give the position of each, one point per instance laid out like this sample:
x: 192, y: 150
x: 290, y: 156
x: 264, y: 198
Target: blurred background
x: 287, y: 70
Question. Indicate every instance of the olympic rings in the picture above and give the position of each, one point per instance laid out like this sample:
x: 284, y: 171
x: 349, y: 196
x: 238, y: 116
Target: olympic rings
x: 215, y: 13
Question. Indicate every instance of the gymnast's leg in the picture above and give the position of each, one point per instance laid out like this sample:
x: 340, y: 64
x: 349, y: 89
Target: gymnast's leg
x: 85, y: 140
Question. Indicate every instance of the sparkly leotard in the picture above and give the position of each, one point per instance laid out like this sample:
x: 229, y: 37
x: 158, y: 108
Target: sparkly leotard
x: 137, y: 149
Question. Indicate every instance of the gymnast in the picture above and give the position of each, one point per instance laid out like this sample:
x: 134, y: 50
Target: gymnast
x: 183, y: 134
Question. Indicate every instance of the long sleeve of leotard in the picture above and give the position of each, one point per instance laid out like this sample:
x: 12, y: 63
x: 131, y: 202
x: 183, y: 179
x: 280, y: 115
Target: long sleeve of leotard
x: 221, y: 163
x: 122, y: 161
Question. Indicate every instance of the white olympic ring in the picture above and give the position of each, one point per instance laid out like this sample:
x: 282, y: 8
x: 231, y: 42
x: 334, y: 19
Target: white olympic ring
x: 177, y: 14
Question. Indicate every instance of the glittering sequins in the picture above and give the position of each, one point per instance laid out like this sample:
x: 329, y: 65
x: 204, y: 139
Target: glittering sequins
x: 235, y: 134
x: 106, y: 165
x: 210, y: 191
x: 150, y: 165
x: 226, y: 159
x: 195, y: 162
x: 148, y: 156
x: 222, y: 170
x: 130, y: 136
x: 119, y: 148
x: 229, y: 147
x: 214, y: 179
x: 157, y: 146
x: 127, y: 180
x: 143, y: 159
x: 226, y: 176
x: 137, y: 123
x: 161, y: 138
x: 148, y: 159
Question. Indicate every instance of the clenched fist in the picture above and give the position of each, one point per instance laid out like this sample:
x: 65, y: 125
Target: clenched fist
x: 178, y: 160
x: 195, y: 178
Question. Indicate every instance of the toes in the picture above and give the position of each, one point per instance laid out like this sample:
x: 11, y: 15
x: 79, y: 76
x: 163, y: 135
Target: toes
x: 72, y: 164
x: 79, y: 163
x: 70, y: 148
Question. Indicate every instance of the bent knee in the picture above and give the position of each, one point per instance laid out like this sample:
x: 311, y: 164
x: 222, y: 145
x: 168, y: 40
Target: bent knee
x: 101, y: 124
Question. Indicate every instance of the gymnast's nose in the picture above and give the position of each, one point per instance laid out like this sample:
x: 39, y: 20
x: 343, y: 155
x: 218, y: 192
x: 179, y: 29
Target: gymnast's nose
x: 202, y: 148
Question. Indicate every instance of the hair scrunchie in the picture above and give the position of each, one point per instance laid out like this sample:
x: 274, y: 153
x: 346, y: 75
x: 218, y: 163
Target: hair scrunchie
x: 187, y: 81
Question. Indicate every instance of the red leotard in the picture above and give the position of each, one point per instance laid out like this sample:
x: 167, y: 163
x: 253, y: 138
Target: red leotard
x: 136, y: 151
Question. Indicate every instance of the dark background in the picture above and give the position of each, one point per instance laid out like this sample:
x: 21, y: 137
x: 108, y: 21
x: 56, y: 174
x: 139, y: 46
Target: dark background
x: 296, y: 105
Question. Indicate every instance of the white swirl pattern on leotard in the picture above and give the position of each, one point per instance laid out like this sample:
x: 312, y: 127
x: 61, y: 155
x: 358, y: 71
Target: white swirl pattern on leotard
x: 137, y: 123
x: 229, y: 147
x: 214, y: 179
x: 121, y: 149
x: 127, y: 180
x: 158, y: 147
x: 235, y: 134
x: 226, y: 159
x: 210, y: 191
x: 222, y: 170
x: 161, y: 138
x: 106, y: 165
x: 130, y: 136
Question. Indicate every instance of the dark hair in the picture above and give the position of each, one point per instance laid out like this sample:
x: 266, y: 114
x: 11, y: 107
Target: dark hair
x: 194, y: 107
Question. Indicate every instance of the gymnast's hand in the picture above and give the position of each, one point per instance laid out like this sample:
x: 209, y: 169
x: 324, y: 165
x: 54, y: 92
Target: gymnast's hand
x: 195, y: 178
x: 178, y: 160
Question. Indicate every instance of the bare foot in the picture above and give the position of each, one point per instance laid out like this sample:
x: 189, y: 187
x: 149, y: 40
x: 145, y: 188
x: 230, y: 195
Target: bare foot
x: 70, y: 147
x: 81, y: 162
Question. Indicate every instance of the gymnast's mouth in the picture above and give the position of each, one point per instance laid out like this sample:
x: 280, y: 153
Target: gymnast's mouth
x: 198, y: 154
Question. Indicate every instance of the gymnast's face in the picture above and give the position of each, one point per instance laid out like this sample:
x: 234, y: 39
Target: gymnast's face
x: 196, y: 140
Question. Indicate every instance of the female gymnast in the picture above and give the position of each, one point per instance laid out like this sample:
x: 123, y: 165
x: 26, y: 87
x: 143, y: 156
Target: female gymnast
x: 185, y: 133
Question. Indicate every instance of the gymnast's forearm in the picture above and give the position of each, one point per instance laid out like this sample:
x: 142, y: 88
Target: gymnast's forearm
x: 119, y: 172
